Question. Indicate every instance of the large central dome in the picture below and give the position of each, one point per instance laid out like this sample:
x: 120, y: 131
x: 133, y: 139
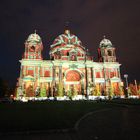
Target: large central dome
x: 66, y: 43
x: 67, y: 39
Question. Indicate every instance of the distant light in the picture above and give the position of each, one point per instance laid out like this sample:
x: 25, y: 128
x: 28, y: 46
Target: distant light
x: 125, y: 75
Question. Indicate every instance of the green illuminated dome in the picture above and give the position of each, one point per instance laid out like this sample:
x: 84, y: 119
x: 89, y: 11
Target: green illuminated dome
x: 34, y: 38
x: 34, y: 43
x: 105, y: 43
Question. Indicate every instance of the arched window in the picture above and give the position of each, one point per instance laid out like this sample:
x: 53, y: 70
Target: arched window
x: 47, y: 73
x: 32, y: 48
x: 67, y: 53
x: 52, y: 57
x: 30, y: 72
x: 73, y: 56
x: 98, y: 74
x: 109, y: 53
x: 73, y: 76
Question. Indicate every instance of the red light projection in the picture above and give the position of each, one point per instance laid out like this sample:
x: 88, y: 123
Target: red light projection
x: 73, y: 76
x: 47, y: 74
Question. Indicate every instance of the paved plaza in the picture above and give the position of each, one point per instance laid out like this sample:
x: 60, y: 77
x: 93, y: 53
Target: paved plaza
x: 113, y: 123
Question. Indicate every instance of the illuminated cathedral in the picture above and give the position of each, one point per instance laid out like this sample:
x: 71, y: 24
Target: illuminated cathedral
x: 70, y: 72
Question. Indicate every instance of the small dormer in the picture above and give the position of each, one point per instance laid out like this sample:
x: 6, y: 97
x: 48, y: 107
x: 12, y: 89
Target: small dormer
x: 73, y: 54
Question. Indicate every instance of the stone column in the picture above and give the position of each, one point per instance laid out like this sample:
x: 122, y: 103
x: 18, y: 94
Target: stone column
x: 94, y: 76
x: 86, y: 78
x: 91, y: 69
x: 119, y: 75
x: 60, y: 73
x: 53, y: 80
x: 21, y: 71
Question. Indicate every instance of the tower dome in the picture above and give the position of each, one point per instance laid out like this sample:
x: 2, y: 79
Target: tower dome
x: 105, y: 43
x: 34, y: 41
x: 34, y: 38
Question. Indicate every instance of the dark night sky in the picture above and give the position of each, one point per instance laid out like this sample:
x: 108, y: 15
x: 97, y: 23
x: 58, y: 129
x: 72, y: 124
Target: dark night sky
x: 119, y: 20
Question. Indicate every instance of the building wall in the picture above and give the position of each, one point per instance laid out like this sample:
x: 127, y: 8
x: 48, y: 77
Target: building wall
x: 48, y: 74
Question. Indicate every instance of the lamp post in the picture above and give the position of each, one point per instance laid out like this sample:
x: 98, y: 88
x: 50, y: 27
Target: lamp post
x: 86, y: 78
x: 136, y: 86
x: 126, y: 80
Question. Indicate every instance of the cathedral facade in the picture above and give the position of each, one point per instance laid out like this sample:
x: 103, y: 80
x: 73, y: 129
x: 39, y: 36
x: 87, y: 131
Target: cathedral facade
x: 70, y: 72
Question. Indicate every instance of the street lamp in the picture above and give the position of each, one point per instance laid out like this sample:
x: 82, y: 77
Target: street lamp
x: 126, y: 80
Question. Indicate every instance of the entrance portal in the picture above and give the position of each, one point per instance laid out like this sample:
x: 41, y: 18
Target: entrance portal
x: 73, y: 79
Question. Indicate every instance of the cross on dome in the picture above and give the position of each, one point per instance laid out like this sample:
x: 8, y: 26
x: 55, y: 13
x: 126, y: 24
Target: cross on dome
x: 35, y: 31
x: 67, y: 24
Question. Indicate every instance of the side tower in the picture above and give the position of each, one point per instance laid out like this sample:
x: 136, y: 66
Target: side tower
x: 33, y: 47
x: 28, y: 81
x: 106, y: 51
x: 111, y: 68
